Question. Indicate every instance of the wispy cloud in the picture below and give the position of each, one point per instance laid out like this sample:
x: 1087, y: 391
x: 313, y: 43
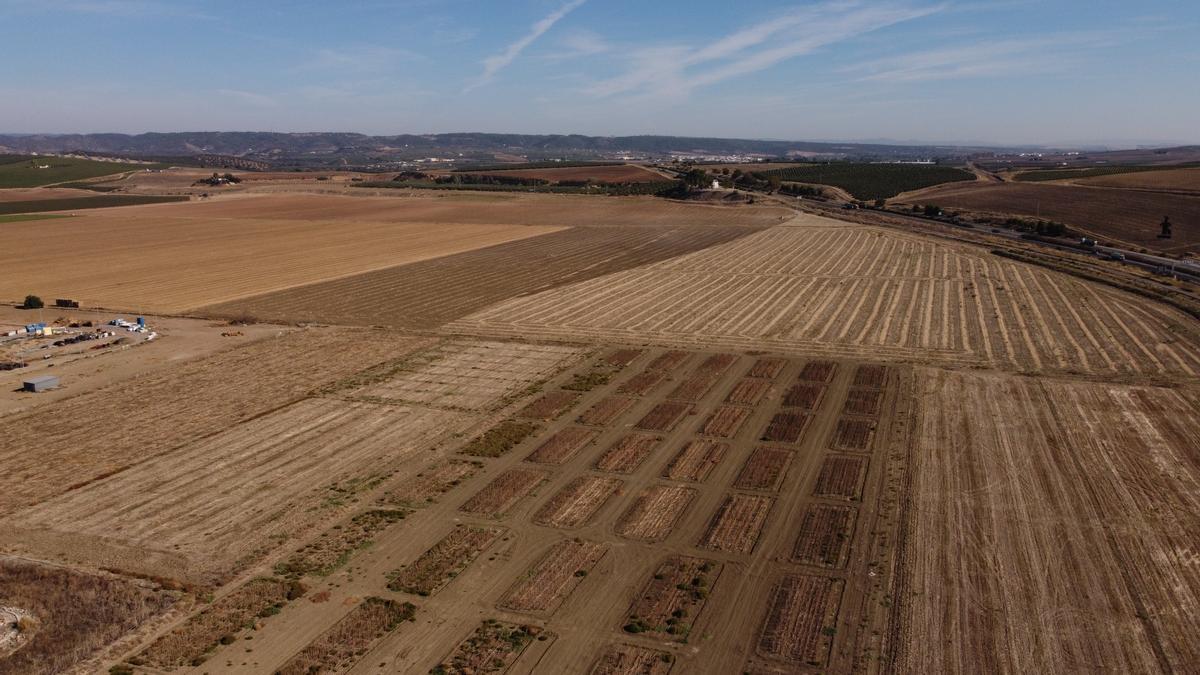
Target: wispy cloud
x: 580, y: 43
x: 367, y: 58
x: 995, y: 58
x: 497, y: 62
x: 678, y: 69
x: 120, y: 8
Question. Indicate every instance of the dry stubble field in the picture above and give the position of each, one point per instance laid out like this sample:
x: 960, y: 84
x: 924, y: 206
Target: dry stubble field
x: 817, y: 287
x: 709, y: 509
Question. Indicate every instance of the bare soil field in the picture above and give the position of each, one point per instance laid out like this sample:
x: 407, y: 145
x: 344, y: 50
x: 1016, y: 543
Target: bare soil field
x: 1081, y: 500
x: 468, y: 374
x: 627, y: 454
x: 84, y: 438
x: 503, y: 493
x: 764, y: 469
x: 1173, y: 180
x: 546, y: 586
x: 217, y: 504
x: 737, y: 524
x: 87, y: 257
x: 703, y: 378
x: 652, y: 516
x: 343, y: 644
x: 576, y: 503
x: 871, y: 376
x: 823, y: 537
x: 801, y: 610
x: 444, y: 561
x: 622, y: 659
x: 69, y: 616
x: 398, y: 296
x: 1110, y: 214
x: 562, y: 445
x: 671, y: 601
x: 619, y: 358
x: 40, y: 194
x: 823, y: 288
x: 695, y: 461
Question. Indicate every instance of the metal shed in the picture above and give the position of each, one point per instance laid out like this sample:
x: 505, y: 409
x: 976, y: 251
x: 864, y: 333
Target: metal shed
x: 41, y: 383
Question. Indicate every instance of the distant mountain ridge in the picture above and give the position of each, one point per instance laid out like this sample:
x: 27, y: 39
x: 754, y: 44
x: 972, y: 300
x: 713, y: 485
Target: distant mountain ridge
x: 359, y: 147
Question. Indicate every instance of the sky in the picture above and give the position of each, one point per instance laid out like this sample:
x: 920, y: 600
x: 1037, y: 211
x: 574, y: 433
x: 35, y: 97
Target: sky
x: 953, y: 71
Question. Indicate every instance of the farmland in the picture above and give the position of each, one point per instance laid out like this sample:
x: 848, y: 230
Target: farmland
x: 627, y: 436
x: 1109, y: 214
x: 46, y: 170
x: 873, y: 181
x: 862, y: 291
x: 613, y: 173
x: 79, y: 203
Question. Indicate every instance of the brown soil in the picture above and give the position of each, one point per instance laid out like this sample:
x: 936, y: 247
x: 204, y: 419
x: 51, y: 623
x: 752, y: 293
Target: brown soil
x: 622, y: 173
x: 619, y: 358
x: 695, y: 461
x: 546, y: 586
x: 863, y: 402
x: 333, y: 548
x: 705, y: 376
x: 1111, y: 214
x: 630, y: 660
x: 818, y: 371
x: 872, y: 376
x: 492, y: 648
x: 853, y: 434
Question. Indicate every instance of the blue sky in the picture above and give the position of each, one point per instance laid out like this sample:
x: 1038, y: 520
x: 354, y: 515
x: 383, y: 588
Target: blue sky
x: 1004, y: 71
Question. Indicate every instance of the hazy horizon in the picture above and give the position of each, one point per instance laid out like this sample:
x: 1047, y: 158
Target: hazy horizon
x: 1000, y: 72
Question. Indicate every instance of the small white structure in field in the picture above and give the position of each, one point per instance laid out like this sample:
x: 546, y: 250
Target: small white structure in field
x: 716, y: 184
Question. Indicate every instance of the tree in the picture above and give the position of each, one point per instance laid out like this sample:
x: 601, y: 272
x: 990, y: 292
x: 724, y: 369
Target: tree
x: 33, y: 302
x: 933, y: 211
x: 774, y: 181
x: 695, y: 177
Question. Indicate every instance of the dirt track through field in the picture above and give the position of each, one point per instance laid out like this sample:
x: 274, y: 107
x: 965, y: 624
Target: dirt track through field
x: 863, y: 291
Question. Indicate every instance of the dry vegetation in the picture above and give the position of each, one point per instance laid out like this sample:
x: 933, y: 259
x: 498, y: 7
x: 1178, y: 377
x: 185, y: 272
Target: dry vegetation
x: 444, y: 560
x: 504, y: 492
x: 191, y: 643
x: 652, y: 516
x: 106, y: 431
x: 70, y: 615
x: 546, y: 586
x: 859, y: 291
x: 335, y: 546
x: 492, y: 648
x: 627, y: 454
x: 1067, y: 509
x: 343, y: 644
x: 671, y: 600
x: 576, y: 503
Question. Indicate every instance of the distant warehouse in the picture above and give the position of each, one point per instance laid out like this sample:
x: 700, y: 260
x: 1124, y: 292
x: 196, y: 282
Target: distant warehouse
x: 41, y: 383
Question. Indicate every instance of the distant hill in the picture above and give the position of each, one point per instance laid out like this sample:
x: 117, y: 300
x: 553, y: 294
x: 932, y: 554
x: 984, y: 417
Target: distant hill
x: 348, y: 148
